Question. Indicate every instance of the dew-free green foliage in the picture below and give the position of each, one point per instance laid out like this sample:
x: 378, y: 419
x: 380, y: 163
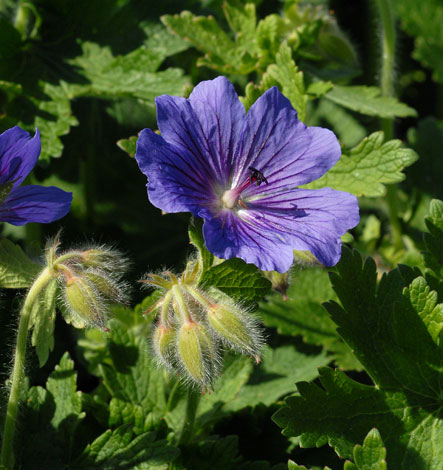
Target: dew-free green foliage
x: 221, y: 52
x: 56, y: 413
x: 130, y: 76
x: 433, y: 253
x: 369, y: 456
x: 367, y: 100
x: 368, y: 167
x: 422, y: 21
x: 86, y: 74
x: 41, y: 94
x: 303, y: 314
x: 17, y: 271
x: 196, y: 238
x: 285, y: 75
x: 128, y: 145
x: 237, y: 279
x: 43, y: 321
x: 118, y: 449
x: 394, y: 330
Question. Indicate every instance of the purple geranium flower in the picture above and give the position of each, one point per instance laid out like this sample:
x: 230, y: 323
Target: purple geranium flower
x: 20, y: 205
x: 240, y: 173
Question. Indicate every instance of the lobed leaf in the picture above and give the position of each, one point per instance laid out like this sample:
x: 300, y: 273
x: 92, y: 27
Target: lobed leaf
x: 17, y: 271
x: 128, y: 145
x: 423, y: 21
x: 290, y: 80
x: 367, y: 100
x: 433, y: 255
x: 302, y: 314
x: 368, y: 167
x: 135, y: 385
x: 370, y: 456
x: 43, y: 321
x: 393, y: 330
x: 239, y: 280
x: 52, y: 416
x: 117, y: 449
x: 221, y: 52
x: 133, y: 75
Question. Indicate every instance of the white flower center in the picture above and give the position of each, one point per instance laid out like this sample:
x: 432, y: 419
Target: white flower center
x: 230, y: 198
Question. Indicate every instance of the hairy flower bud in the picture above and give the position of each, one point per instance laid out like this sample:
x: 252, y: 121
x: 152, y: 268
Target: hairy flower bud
x: 163, y: 341
x: 84, y: 301
x: 197, y: 353
x: 236, y: 328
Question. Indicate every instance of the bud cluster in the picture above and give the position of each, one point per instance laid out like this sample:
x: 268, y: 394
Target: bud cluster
x: 194, y: 323
x: 90, y: 282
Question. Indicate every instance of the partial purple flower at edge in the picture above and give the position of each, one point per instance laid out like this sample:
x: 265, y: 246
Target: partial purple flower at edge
x: 206, y: 162
x: 21, y: 205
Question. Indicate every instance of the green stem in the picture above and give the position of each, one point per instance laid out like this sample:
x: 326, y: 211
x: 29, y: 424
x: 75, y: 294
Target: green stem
x: 387, y: 89
x: 183, y: 311
x: 192, y: 401
x: 7, y: 455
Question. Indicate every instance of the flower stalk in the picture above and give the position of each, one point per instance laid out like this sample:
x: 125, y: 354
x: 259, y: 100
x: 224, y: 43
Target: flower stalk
x: 193, y: 324
x: 7, y: 455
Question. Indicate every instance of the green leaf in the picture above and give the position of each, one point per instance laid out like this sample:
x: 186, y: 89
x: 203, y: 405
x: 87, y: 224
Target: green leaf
x: 319, y: 88
x: 131, y: 76
x: 286, y: 74
x: 196, y: 238
x: 427, y: 140
x: 237, y: 279
x: 302, y: 314
x: 370, y: 456
x: 241, y: 19
x: 348, y: 129
x: 367, y: 100
x: 236, y: 372
x: 55, y: 118
x: 393, y: 329
x: 51, y: 418
x: 161, y: 44
x: 17, y: 271
x: 275, y: 376
x: 128, y: 145
x: 11, y: 89
x: 62, y: 384
x: 368, y: 167
x: 433, y: 256
x: 423, y: 20
x: 221, y: 52
x: 43, y: 320
x: 133, y: 381
x: 116, y: 449
x: 293, y: 466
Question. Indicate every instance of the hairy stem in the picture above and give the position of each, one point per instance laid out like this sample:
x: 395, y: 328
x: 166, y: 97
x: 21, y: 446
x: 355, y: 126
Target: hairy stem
x: 192, y: 401
x: 7, y: 455
x: 387, y: 89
